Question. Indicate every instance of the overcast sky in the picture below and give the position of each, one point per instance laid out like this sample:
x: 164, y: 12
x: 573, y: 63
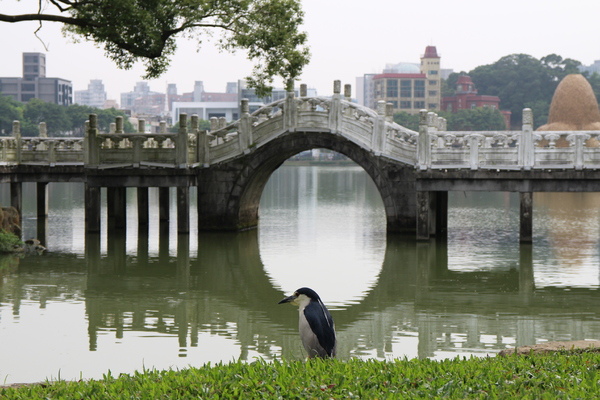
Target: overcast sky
x: 347, y: 38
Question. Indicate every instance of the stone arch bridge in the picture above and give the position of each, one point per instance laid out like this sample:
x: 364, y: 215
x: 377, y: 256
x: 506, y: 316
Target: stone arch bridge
x: 230, y: 164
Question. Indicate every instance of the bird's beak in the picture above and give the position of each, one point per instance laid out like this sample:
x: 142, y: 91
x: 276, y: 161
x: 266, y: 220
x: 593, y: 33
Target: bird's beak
x: 288, y: 299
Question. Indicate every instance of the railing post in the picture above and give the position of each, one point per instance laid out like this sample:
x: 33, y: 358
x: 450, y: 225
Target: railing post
x: 119, y: 125
x: 578, y: 141
x: 348, y: 92
x: 377, y: 136
x: 214, y: 124
x: 473, y: 143
x: 526, y: 149
x: 303, y: 90
x: 335, y: 111
x: 141, y: 126
x: 43, y: 130
x: 203, y: 150
x: 245, y: 128
x: 290, y: 112
x: 92, y: 142
x: 192, y: 151
x: 423, y: 143
x: 16, y: 133
x: 389, y: 112
x: 181, y: 149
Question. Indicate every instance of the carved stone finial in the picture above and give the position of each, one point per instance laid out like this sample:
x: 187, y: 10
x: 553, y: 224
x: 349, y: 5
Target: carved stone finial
x: 245, y: 106
x: 16, y: 128
x: 337, y: 87
x: 527, y: 116
x: 182, y: 120
x: 381, y: 107
x: 43, y: 129
x: 347, y: 91
x: 119, y: 125
x: 389, y: 109
x: 303, y: 90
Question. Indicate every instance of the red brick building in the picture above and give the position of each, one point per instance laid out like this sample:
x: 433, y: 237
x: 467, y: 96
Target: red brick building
x: 466, y: 97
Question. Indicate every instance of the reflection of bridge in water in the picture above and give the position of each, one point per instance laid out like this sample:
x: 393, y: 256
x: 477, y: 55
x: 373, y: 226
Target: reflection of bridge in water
x: 225, y: 291
x: 230, y: 165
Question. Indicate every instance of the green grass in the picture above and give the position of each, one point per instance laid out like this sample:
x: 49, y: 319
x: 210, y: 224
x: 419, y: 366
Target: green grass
x: 573, y: 375
x: 9, y: 242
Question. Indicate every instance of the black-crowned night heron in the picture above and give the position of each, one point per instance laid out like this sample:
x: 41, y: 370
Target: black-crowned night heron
x: 317, y: 331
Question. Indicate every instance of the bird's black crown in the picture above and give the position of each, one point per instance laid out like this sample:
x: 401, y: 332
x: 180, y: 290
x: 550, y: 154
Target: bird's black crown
x: 308, y: 292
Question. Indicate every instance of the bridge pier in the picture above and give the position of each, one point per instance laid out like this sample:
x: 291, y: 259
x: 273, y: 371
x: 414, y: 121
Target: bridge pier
x: 143, y: 209
x: 183, y: 209
x: 41, y: 194
x: 432, y: 214
x: 116, y: 205
x: 92, y: 209
x: 163, y: 205
x: 526, y: 217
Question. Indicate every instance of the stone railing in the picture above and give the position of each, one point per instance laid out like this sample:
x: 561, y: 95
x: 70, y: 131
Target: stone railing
x: 119, y: 149
x: 504, y: 150
x: 372, y: 130
x: 432, y: 147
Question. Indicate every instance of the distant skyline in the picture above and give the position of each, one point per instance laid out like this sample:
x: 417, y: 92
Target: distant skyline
x: 347, y: 39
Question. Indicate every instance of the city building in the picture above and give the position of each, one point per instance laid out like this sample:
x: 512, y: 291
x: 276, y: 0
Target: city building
x: 143, y: 101
x: 408, y: 87
x: 227, y: 105
x: 35, y: 84
x: 466, y: 97
x: 94, y: 96
x: 592, y: 68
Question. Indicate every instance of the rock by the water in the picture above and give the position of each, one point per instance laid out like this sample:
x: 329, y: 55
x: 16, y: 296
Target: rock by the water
x: 549, y: 347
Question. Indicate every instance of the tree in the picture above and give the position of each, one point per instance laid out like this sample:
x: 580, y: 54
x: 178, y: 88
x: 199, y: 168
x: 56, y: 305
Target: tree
x: 53, y: 115
x: 146, y: 31
x: 410, y: 121
x: 517, y: 79
x: 559, y: 67
x: 10, y: 110
x: 475, y: 119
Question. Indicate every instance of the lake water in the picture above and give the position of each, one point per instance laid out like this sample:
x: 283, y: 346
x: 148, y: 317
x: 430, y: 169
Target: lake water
x: 161, y: 300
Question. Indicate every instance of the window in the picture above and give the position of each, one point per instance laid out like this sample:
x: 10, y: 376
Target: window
x: 433, y: 72
x: 405, y: 88
x: 419, y: 88
x: 394, y: 103
x: 433, y: 83
x: 432, y: 106
x: 28, y: 87
x: 392, y: 88
x: 419, y: 104
x: 405, y: 104
x: 432, y: 93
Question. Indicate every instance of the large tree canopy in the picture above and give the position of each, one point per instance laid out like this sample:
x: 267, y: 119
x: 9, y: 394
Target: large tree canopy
x: 146, y: 30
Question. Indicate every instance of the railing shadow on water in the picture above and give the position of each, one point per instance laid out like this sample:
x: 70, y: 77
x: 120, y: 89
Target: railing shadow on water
x: 228, y: 271
x: 416, y: 291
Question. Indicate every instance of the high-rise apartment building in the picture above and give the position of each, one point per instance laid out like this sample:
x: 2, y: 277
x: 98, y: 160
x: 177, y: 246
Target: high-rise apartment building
x: 94, y: 96
x: 408, y: 87
x: 35, y: 84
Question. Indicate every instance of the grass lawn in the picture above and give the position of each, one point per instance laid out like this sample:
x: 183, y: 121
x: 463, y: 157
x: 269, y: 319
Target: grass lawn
x: 562, y: 375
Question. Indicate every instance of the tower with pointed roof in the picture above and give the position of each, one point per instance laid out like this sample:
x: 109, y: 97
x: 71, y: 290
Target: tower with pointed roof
x: 430, y: 66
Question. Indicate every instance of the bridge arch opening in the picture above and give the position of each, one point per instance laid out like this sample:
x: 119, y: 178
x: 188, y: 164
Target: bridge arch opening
x: 322, y: 217
x: 394, y: 181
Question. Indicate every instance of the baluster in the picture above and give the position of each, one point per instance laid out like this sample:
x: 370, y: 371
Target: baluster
x: 423, y: 144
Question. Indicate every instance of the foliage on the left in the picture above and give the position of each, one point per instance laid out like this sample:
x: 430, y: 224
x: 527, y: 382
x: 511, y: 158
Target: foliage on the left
x: 131, y: 31
x: 10, y: 230
x: 59, y: 120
